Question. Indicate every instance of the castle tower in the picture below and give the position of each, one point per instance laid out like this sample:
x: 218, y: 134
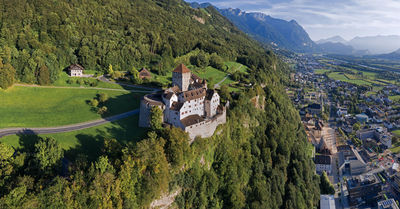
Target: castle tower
x: 181, y: 77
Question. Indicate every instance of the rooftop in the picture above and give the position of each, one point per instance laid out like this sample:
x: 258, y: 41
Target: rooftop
x: 181, y: 69
x: 323, y: 159
x: 191, y: 120
x: 327, y: 202
x: 387, y: 204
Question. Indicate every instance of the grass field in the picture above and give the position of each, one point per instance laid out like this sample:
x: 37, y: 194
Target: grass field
x: 395, y: 98
x: 62, y: 81
x: 234, y: 66
x: 45, y: 107
x: 347, y: 78
x: 321, y: 71
x: 397, y: 132
x: 88, y: 141
x: 211, y: 74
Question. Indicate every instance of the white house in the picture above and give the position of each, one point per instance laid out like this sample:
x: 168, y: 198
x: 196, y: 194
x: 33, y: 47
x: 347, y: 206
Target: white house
x: 75, y: 70
x: 323, y: 163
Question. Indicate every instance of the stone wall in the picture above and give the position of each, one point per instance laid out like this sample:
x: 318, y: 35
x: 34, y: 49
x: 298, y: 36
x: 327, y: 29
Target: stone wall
x: 145, y: 110
x: 207, y: 128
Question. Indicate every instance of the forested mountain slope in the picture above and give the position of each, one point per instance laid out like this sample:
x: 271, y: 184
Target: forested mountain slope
x: 258, y: 160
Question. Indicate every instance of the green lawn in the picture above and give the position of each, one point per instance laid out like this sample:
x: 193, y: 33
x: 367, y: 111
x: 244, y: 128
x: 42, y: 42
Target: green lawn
x: 62, y: 81
x: 88, y: 141
x: 397, y: 132
x: 44, y: 107
x: 395, y: 98
x: 348, y: 78
x: 321, y: 71
x: 234, y: 66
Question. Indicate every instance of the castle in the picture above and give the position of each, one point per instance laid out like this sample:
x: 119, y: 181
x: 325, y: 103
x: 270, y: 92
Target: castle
x: 188, y: 104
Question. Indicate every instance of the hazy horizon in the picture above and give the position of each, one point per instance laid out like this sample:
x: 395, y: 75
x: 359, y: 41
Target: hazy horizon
x: 323, y: 19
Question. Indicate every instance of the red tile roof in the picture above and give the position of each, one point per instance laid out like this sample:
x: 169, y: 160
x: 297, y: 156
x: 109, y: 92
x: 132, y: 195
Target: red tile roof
x: 181, y: 69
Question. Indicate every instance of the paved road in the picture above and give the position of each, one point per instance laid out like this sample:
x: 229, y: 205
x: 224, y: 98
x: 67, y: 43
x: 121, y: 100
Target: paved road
x: 219, y: 83
x: 66, y: 128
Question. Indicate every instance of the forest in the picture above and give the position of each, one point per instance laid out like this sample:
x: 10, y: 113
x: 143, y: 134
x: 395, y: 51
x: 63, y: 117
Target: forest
x: 258, y: 160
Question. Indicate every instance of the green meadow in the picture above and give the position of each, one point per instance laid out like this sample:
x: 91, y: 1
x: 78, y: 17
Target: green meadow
x: 47, y: 107
x: 88, y: 141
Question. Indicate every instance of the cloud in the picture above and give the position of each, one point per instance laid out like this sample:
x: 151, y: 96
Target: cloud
x: 325, y: 18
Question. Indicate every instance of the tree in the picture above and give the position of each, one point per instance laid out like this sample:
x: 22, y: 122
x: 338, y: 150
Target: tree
x: 43, y: 75
x: 94, y: 102
x: 216, y: 61
x: 357, y: 126
x: 135, y: 75
x: 102, y: 110
x: 110, y: 70
x: 156, y: 118
x: 177, y: 147
x: 326, y: 186
x: 48, y: 154
x: 6, y: 159
x: 103, y: 97
x: 7, y: 75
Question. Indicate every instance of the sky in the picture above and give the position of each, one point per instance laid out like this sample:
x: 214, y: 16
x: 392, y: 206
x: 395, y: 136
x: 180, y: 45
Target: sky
x: 327, y: 18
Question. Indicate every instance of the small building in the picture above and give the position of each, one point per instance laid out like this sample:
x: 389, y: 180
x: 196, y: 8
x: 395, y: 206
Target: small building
x: 144, y: 74
x: 341, y: 111
x: 315, y: 109
x: 323, y: 163
x: 388, y: 204
x: 75, y: 70
x: 362, y: 118
x: 327, y: 202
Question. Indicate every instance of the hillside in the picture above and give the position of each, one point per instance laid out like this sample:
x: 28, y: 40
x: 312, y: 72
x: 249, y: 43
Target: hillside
x: 258, y: 160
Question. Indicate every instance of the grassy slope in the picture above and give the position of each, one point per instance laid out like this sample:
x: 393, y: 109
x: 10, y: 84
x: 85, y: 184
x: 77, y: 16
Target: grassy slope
x: 125, y: 130
x: 41, y: 107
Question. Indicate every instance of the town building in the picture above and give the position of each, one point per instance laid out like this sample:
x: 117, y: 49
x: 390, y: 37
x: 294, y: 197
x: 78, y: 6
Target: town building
x: 352, y: 163
x: 315, y: 109
x: 362, y: 118
x: 364, y: 189
x: 75, y: 70
x: 327, y: 202
x: 323, y: 163
x: 388, y: 204
x: 188, y: 104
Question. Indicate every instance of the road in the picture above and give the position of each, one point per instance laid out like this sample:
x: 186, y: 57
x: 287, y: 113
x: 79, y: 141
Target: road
x: 219, y: 83
x: 66, y: 128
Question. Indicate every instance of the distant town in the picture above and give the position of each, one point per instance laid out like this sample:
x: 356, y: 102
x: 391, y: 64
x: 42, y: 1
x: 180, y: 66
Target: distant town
x: 351, y: 118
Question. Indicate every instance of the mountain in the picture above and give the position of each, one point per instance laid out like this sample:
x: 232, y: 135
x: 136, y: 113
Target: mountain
x: 276, y: 32
x: 259, y: 159
x: 334, y: 39
x: 376, y: 44
x: 336, y: 48
x: 390, y: 56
